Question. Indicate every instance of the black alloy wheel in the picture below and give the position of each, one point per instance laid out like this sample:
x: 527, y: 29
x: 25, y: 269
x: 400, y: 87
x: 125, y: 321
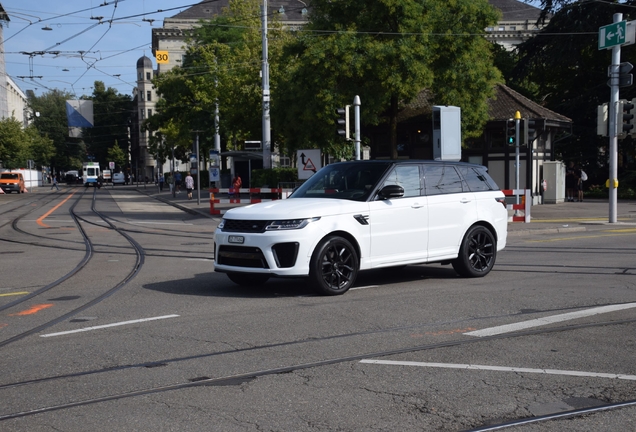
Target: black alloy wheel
x: 334, y: 266
x: 477, y: 253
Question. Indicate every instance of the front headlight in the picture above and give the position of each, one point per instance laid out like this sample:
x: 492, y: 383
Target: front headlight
x: 289, y: 224
x: 221, y: 224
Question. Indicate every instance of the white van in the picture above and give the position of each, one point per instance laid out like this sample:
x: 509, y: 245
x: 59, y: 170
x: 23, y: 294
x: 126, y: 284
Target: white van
x: 118, y: 178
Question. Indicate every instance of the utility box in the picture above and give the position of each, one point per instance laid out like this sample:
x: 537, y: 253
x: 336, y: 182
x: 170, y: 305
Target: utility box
x: 447, y: 133
x: 554, y: 175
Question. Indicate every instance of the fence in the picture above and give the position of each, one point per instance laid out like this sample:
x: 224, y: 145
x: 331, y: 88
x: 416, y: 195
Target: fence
x: 526, y: 204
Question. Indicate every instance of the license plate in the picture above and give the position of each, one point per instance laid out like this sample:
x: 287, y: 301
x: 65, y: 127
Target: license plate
x: 236, y: 239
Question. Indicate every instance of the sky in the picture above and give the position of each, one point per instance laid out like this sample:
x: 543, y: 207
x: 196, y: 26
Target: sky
x: 88, y: 51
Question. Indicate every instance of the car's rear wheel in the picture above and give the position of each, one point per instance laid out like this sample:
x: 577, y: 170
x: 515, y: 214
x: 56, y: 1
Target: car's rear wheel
x: 477, y: 253
x: 334, y: 266
x: 246, y: 279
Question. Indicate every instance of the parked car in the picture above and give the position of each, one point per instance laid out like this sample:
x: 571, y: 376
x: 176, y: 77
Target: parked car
x: 118, y: 178
x: 12, y: 182
x: 361, y: 215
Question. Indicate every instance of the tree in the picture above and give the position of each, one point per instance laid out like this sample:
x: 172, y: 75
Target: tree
x: 111, y: 112
x: 49, y: 118
x: 18, y: 145
x: 117, y: 155
x: 570, y: 74
x: 221, y: 65
x: 387, y: 52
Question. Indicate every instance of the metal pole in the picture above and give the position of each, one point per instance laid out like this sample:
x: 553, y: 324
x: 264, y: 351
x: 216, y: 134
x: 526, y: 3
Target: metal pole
x: 267, y: 153
x: 613, y: 126
x: 198, y: 173
x: 517, y: 133
x: 356, y: 109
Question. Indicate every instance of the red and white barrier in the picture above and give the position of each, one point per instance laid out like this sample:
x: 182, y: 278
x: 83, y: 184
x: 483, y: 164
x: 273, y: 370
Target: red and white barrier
x: 278, y: 192
x: 526, y: 204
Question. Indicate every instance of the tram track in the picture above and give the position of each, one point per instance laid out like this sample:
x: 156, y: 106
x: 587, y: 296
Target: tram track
x: 251, y: 375
x: 89, y: 253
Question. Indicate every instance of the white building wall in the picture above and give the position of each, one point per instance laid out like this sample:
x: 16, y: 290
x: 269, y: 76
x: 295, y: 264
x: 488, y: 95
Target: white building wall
x: 17, y: 105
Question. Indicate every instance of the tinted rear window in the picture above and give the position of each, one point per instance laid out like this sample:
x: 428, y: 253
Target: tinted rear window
x: 477, y: 179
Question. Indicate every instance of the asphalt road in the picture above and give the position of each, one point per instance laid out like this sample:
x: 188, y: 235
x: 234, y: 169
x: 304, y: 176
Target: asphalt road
x: 146, y: 337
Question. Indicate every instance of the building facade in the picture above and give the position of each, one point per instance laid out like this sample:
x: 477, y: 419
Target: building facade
x: 143, y: 164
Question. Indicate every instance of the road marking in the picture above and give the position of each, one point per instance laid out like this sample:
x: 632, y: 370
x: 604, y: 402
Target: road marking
x: 198, y: 259
x: 14, y: 294
x: 504, y: 369
x: 549, y: 320
x: 35, y: 309
x: 85, y: 329
x: 607, y: 234
x: 159, y: 223
x: 364, y: 287
x: 40, y: 219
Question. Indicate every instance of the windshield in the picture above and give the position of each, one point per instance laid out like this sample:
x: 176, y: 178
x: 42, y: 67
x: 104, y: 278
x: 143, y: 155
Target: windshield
x: 9, y: 176
x: 346, y: 180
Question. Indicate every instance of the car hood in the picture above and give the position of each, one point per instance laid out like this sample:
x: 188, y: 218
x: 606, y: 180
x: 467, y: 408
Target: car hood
x: 296, y: 208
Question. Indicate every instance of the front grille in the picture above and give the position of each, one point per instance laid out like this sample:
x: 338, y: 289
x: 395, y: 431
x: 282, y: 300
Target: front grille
x: 285, y: 254
x: 241, y: 256
x: 245, y: 226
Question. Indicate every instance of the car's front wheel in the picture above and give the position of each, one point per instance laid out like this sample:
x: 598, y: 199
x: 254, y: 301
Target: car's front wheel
x: 334, y: 266
x: 477, y: 253
x: 247, y: 279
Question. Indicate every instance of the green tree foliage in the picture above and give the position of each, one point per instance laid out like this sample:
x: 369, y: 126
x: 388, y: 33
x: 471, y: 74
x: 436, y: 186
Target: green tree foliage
x: 117, y: 155
x: 387, y: 52
x: 570, y: 74
x: 222, y: 65
x: 111, y: 112
x: 18, y: 145
x: 49, y: 118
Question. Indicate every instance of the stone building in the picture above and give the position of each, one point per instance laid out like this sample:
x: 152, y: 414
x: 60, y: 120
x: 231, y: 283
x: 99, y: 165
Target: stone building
x: 143, y: 163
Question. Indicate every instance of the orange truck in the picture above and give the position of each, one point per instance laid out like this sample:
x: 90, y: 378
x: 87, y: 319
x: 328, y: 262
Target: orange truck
x: 12, y: 182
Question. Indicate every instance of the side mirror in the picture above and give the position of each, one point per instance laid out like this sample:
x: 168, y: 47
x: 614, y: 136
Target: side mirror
x: 391, y: 191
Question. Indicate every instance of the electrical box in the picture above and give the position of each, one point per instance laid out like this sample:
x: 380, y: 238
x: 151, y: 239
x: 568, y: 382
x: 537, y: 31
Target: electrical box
x: 447, y: 133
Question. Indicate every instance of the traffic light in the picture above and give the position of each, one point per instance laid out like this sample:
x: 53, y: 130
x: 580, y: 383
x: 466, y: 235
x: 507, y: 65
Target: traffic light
x: 343, y: 121
x: 529, y: 131
x: 511, y: 131
x: 625, y: 118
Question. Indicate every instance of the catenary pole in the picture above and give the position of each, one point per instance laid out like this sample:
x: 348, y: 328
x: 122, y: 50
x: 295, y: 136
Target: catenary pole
x: 613, y: 125
x: 267, y: 154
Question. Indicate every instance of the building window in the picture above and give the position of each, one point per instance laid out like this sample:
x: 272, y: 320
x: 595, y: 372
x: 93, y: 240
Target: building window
x: 148, y: 76
x: 513, y: 28
x: 502, y: 28
x: 142, y: 113
x: 149, y: 113
x: 140, y: 76
x: 148, y: 95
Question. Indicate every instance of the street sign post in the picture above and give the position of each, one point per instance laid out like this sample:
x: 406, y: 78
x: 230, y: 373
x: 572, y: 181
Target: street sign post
x: 617, y: 34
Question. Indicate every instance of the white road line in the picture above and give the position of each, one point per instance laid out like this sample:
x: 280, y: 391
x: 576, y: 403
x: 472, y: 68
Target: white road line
x: 159, y: 223
x: 108, y: 325
x: 491, y: 331
x: 364, y: 287
x: 504, y: 369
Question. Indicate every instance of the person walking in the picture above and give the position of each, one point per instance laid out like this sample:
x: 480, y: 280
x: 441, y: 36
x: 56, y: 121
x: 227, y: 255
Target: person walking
x: 54, y: 184
x: 161, y: 180
x: 189, y: 183
x: 177, y: 181
x: 171, y: 183
x: 571, y: 182
x: 236, y: 185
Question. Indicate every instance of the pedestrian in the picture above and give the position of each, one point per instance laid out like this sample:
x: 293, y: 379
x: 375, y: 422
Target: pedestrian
x: 582, y: 177
x: 161, y: 180
x: 236, y: 185
x: 571, y: 182
x: 54, y: 184
x: 189, y: 183
x: 177, y: 181
x: 171, y: 182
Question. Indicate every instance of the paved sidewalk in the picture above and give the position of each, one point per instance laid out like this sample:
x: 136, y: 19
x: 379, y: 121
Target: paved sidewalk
x: 545, y: 218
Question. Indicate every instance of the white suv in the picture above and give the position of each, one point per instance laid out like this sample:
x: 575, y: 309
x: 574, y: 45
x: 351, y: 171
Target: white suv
x: 361, y: 215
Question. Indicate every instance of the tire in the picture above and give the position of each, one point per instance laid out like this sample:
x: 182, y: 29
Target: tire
x: 247, y: 279
x: 477, y: 253
x: 334, y: 266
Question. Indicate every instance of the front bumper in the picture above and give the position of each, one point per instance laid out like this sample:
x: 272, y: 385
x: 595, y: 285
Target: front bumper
x: 278, y: 253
